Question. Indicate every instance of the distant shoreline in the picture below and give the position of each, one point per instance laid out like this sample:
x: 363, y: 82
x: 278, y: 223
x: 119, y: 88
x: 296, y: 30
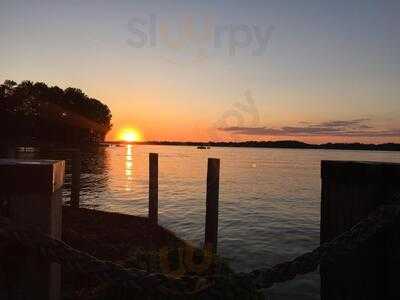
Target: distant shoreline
x: 277, y: 144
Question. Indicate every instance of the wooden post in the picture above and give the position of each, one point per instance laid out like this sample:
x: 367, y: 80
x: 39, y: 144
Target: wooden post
x: 31, y: 196
x: 153, y: 188
x: 76, y: 178
x: 211, y: 232
x: 350, y: 191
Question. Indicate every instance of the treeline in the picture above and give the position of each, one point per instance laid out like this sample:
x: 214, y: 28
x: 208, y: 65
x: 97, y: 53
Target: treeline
x: 284, y: 144
x: 302, y: 145
x: 34, y: 114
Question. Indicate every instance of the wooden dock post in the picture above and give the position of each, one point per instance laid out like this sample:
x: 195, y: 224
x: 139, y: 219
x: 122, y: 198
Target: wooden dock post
x: 76, y: 178
x: 350, y: 191
x: 211, y: 232
x: 153, y: 188
x: 31, y: 195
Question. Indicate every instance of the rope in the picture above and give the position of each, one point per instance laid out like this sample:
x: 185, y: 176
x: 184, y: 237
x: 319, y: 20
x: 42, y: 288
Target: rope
x: 328, y: 253
x: 139, y: 282
x: 83, y: 263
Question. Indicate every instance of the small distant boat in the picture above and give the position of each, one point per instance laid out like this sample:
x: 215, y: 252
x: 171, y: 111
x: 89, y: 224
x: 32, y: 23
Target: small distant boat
x: 203, y: 147
x: 105, y: 145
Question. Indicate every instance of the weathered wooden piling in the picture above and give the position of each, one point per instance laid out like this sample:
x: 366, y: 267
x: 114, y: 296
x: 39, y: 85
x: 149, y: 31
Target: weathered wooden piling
x: 350, y: 191
x: 212, y: 198
x: 153, y: 188
x: 76, y: 178
x: 31, y: 196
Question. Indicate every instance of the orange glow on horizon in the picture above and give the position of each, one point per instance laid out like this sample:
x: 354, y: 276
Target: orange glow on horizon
x: 130, y: 135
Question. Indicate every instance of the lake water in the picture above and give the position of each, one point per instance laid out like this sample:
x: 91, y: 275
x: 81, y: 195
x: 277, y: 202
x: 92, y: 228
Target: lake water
x: 269, y: 198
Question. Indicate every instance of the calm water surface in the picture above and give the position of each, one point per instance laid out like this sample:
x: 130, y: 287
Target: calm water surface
x: 269, y: 198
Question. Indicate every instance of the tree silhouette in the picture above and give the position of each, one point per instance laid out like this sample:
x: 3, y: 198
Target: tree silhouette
x: 34, y: 113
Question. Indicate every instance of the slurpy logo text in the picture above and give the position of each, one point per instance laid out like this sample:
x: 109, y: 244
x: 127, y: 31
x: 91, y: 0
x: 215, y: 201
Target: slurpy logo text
x: 201, y: 36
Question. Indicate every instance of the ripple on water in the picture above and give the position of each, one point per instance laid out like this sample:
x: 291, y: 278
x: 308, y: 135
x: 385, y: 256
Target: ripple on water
x: 269, y: 199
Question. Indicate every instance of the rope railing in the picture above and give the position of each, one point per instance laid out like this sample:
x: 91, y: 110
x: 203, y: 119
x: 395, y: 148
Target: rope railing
x: 382, y: 219
x: 131, y: 281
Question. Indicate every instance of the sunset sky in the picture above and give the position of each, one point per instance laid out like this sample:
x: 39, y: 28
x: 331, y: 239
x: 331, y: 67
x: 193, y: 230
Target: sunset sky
x: 314, y: 71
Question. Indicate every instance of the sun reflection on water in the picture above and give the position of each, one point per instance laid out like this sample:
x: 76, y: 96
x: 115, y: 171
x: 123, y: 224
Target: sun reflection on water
x: 128, y: 168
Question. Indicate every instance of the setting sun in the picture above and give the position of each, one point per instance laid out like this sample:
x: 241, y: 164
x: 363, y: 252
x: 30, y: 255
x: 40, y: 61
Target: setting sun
x: 130, y: 135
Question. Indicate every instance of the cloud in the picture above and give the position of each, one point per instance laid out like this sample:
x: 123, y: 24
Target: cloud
x: 350, y: 123
x: 351, y: 128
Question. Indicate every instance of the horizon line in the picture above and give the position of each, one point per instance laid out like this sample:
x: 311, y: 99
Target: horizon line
x: 248, y: 141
